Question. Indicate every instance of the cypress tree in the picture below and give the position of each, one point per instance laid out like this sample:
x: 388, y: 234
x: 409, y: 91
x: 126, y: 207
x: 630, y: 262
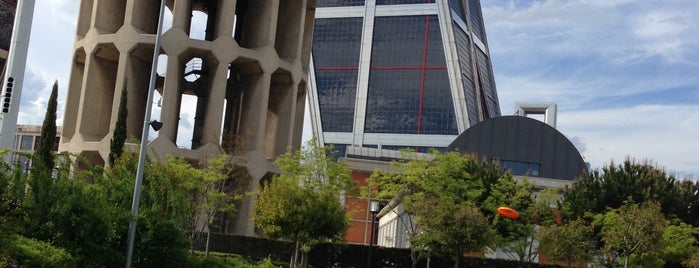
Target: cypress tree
x: 41, y: 181
x: 116, y: 144
x: 43, y: 156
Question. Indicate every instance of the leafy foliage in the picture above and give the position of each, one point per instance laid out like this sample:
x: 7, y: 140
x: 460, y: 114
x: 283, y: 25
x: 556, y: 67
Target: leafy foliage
x: 43, y: 157
x: 302, y: 203
x: 570, y: 242
x: 631, y: 229
x: 638, y: 182
x: 454, y: 199
x: 116, y: 144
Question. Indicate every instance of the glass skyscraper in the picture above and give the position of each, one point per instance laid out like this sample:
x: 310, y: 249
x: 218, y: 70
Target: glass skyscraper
x: 399, y: 73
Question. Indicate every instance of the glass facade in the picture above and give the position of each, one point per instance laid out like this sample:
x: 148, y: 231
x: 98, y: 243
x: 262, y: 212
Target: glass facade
x: 336, y: 44
x: 402, y: 2
x: 7, y: 17
x: 339, y: 3
x: 382, y: 75
x: 409, y: 90
x: 521, y: 168
x: 476, y: 18
x: 26, y: 143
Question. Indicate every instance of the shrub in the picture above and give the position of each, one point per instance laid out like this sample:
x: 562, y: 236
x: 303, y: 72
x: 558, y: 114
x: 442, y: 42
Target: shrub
x: 33, y: 253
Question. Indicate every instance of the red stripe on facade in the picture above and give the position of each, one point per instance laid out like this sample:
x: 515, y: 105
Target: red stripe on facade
x: 409, y: 68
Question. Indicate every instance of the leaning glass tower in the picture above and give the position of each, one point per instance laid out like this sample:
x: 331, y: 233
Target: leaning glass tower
x: 399, y: 73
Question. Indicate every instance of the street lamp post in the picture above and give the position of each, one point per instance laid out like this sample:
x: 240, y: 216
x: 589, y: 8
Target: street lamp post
x: 144, y: 140
x: 373, y: 209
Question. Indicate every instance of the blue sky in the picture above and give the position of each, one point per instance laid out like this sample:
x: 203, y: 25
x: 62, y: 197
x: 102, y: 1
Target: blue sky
x: 624, y: 73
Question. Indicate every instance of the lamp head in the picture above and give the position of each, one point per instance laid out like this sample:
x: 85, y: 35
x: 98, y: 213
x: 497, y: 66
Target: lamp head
x: 156, y: 125
x: 373, y: 206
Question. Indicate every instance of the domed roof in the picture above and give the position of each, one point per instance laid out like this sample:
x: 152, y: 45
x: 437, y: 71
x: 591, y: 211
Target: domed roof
x: 523, y: 142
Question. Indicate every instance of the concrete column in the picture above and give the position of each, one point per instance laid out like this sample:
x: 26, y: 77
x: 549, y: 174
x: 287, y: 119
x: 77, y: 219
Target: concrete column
x: 182, y: 15
x: 214, y: 111
x: 170, y: 112
x: 225, y: 15
x: 256, y: 96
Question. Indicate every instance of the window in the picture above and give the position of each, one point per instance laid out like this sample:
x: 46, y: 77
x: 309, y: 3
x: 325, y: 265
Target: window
x: 37, y: 140
x: 409, y: 90
x: 521, y: 168
x: 26, y: 143
x: 339, y: 3
x: 336, y: 44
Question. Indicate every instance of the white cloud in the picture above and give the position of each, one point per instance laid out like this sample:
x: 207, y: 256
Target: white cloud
x: 622, y: 73
x: 577, y: 53
x: 664, y: 133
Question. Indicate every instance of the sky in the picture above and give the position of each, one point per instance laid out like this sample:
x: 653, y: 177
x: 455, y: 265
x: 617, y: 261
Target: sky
x: 624, y: 73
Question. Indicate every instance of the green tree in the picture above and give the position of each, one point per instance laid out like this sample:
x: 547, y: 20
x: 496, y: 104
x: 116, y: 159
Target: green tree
x: 116, y: 144
x: 597, y: 191
x: 631, y: 229
x: 212, y: 187
x: 41, y: 181
x: 454, y: 199
x: 302, y: 203
x: 570, y: 242
x: 523, y: 234
x: 167, y: 205
x: 43, y: 156
x: 678, y: 244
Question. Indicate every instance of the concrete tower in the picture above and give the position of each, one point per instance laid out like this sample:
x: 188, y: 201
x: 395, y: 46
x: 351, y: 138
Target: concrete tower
x: 399, y: 73
x: 243, y: 63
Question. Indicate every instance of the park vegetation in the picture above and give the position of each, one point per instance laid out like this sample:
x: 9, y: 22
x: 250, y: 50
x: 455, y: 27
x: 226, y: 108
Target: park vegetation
x: 629, y: 215
x: 302, y: 203
x: 65, y: 212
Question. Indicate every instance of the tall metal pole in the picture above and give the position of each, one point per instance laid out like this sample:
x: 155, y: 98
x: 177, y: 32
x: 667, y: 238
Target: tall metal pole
x: 371, y: 239
x: 144, y: 140
x: 14, y: 76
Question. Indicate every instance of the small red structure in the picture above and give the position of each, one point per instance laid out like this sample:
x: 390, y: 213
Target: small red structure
x: 508, y: 212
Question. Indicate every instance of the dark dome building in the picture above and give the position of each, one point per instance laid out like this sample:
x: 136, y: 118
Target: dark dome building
x: 526, y: 146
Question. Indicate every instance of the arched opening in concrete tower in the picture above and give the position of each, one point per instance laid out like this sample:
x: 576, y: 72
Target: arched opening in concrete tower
x: 145, y: 16
x: 197, y: 28
x: 203, y: 20
x: 194, y: 100
x: 100, y: 79
x: 252, y: 22
x: 279, y: 112
x: 243, y: 81
x: 288, y: 32
x: 110, y: 15
x: 75, y: 86
x: 84, y: 18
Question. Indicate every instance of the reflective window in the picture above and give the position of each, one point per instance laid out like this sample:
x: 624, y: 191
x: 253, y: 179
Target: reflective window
x: 336, y: 44
x: 26, y: 143
x: 401, y: 2
x: 463, y: 51
x: 339, y: 3
x: 336, y: 95
x: 409, y: 89
x: 37, y: 140
x: 476, y: 18
x: 487, y: 85
x: 56, y: 143
x: 458, y: 8
x: 521, y: 168
x: 417, y: 149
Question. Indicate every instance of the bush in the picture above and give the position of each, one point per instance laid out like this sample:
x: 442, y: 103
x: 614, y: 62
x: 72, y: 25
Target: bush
x: 33, y: 253
x: 222, y: 260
